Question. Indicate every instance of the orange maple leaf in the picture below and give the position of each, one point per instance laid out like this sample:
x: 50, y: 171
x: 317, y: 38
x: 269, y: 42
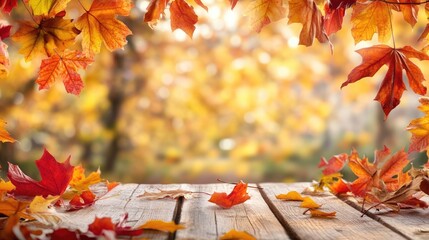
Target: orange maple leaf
x: 64, y: 67
x: 307, y: 13
x: 4, y: 135
x: 45, y: 36
x: 419, y: 129
x: 264, y: 12
x: 392, y: 87
x: 183, y: 17
x: 383, y: 168
x: 99, y: 24
x: 154, y: 11
x: 237, y: 196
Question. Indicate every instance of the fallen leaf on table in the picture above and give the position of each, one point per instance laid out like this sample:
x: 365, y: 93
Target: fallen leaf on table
x: 290, y: 196
x: 79, y: 201
x: 5, y: 187
x: 111, y: 185
x: 80, y: 182
x: 237, y: 196
x: 321, y: 214
x: 43, y: 211
x: 309, y: 203
x: 166, y: 193
x: 55, y: 177
x: 237, y: 235
x: 161, y: 226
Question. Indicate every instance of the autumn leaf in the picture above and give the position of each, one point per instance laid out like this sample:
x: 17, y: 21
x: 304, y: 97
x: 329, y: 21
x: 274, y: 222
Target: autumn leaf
x: 410, y: 10
x: 45, y: 36
x: 307, y: 13
x: 99, y: 24
x: 333, y: 20
x: 370, y: 17
x: 308, y: 202
x: 290, y: 196
x: 183, y: 17
x: 237, y: 196
x: 64, y: 233
x: 5, y: 187
x: 154, y: 11
x: 82, y: 200
x: 80, y: 182
x: 419, y: 129
x: 263, y: 12
x: 102, y: 227
x: 392, y: 86
x: 161, y: 226
x: 4, y: 54
x: 321, y: 214
x: 8, y: 5
x: 42, y: 210
x: 55, y: 177
x: 4, y: 135
x: 64, y: 67
x: 166, y: 194
x: 334, y: 164
x: 48, y: 7
x: 339, y: 187
x: 12, y: 207
x: 234, y: 235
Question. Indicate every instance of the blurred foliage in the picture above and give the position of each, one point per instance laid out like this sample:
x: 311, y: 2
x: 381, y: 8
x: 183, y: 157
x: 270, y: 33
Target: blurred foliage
x: 229, y: 103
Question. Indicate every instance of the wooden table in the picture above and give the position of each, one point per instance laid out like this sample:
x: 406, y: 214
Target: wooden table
x: 263, y: 216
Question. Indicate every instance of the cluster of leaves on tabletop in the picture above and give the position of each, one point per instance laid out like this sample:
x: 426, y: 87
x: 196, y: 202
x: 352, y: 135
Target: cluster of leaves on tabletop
x: 306, y: 202
x: 384, y: 182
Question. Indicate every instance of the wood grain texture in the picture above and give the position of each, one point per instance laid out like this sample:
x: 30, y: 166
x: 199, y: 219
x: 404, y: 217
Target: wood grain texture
x: 205, y: 220
x: 347, y: 225
x: 413, y: 223
x: 123, y: 199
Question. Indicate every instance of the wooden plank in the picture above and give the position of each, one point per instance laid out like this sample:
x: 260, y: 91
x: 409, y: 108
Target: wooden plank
x: 205, y: 220
x: 413, y: 223
x: 347, y: 225
x: 121, y: 200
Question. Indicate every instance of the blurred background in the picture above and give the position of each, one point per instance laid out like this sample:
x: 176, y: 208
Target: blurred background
x: 229, y: 103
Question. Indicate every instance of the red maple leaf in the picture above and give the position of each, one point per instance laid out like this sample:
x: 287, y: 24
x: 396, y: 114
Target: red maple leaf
x: 392, y: 86
x: 334, y: 164
x: 237, y: 196
x: 55, y: 177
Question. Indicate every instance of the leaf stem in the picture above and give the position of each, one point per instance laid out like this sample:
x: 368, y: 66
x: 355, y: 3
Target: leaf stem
x: 80, y: 3
x: 29, y: 12
x: 391, y: 28
x: 235, y: 183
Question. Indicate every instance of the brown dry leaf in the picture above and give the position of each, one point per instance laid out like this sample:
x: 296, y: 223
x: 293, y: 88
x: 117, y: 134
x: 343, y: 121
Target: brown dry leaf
x: 166, y: 194
x: 264, y: 12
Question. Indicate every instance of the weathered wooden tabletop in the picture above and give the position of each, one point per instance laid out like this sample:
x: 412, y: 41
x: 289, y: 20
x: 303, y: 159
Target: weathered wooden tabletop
x: 263, y: 216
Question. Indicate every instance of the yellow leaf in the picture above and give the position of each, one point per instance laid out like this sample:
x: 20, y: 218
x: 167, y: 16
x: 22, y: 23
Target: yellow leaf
x: 47, y: 7
x: 5, y: 187
x: 4, y: 135
x: 161, y: 226
x: 45, y: 36
x: 237, y: 235
x: 321, y: 214
x: 290, y: 196
x: 99, y: 24
x: 264, y: 12
x: 309, y: 203
x: 370, y: 17
x: 80, y: 182
x: 41, y: 204
x: 419, y: 129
